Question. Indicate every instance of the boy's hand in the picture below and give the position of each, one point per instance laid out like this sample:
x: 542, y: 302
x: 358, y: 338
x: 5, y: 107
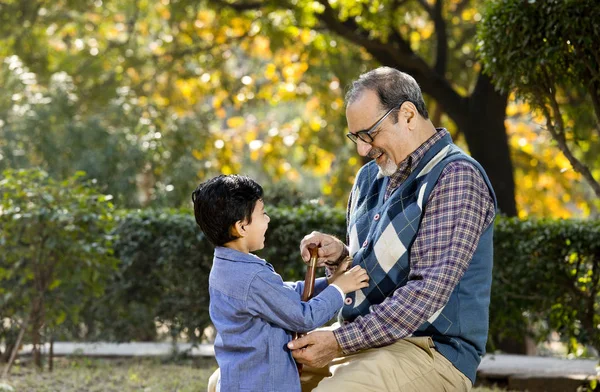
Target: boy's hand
x: 355, y: 279
x: 338, y: 270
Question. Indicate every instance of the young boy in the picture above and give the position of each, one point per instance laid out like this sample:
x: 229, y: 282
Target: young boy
x: 253, y: 310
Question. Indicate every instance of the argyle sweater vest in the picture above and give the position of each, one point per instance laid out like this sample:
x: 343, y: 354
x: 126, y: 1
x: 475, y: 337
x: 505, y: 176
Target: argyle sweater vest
x: 381, y: 234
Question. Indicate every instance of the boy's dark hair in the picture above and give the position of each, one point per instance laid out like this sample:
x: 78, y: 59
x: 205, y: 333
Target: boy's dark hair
x: 222, y: 201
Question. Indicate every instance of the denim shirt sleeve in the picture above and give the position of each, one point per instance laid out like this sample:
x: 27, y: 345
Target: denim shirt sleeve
x: 278, y: 303
x: 320, y: 285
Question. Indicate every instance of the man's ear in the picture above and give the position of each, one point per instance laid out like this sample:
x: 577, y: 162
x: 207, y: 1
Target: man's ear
x: 238, y: 229
x: 408, y: 111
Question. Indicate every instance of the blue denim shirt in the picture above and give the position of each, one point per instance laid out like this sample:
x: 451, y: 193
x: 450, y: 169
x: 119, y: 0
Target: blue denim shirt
x: 254, y: 312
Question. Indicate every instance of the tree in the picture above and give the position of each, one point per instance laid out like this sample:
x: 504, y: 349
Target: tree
x: 166, y: 90
x: 431, y: 40
x: 553, y: 63
x: 42, y: 126
x: 56, y: 249
x: 228, y: 59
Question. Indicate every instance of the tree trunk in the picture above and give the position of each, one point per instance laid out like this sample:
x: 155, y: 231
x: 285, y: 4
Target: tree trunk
x: 36, y: 318
x: 15, y: 350
x: 480, y: 116
x: 51, y: 355
x: 486, y: 137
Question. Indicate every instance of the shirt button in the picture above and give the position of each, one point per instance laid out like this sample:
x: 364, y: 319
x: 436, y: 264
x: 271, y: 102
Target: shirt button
x: 365, y: 243
x: 376, y: 217
x: 348, y: 301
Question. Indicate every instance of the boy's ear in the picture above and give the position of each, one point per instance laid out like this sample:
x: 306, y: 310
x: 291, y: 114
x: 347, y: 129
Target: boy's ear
x: 238, y: 230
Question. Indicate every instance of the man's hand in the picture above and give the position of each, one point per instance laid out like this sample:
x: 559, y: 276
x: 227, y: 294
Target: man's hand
x: 317, y: 349
x: 330, y: 248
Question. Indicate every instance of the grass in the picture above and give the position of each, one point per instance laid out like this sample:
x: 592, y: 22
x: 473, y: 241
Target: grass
x: 114, y: 375
x: 83, y: 374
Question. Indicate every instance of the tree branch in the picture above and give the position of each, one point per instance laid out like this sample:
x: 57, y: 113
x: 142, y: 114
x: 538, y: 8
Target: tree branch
x: 435, y: 13
x: 593, y: 91
x: 398, y: 54
x: 15, y: 350
x: 26, y: 13
x: 441, y: 60
x: 241, y: 6
x: 558, y: 133
x: 132, y: 22
x: 177, y: 54
x: 349, y: 29
x: 396, y: 4
x: 461, y: 6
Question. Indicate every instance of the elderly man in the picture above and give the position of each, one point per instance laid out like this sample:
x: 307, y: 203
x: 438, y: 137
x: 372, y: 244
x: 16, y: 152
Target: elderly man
x: 420, y: 221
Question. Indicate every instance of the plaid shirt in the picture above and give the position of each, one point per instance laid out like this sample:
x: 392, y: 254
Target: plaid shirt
x: 458, y: 211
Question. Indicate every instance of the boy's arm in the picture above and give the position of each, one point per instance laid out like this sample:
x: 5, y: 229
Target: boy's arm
x: 320, y: 285
x: 277, y: 302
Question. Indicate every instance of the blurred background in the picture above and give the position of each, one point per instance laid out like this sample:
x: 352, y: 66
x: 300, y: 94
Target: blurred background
x: 112, y: 112
x: 150, y: 97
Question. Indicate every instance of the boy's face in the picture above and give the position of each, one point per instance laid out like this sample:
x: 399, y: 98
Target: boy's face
x: 256, y: 230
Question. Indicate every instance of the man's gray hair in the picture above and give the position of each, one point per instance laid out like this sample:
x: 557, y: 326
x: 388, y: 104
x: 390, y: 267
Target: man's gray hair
x: 391, y: 86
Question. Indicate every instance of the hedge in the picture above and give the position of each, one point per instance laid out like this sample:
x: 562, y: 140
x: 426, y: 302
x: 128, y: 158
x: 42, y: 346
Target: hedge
x: 546, y: 275
x: 163, y: 274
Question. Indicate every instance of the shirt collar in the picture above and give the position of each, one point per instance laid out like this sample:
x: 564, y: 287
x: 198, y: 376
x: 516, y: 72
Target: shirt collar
x: 222, y: 252
x: 412, y: 161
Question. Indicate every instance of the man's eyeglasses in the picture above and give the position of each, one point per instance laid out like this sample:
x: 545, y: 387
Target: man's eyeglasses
x: 365, y: 135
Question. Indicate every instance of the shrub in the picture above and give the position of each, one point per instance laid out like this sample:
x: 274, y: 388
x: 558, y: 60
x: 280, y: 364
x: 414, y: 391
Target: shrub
x: 55, y: 250
x: 165, y: 263
x: 162, y: 277
x: 287, y: 228
x: 546, y: 276
x: 546, y: 272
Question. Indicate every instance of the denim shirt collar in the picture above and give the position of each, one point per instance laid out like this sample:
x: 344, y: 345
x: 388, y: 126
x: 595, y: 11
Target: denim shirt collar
x: 222, y: 252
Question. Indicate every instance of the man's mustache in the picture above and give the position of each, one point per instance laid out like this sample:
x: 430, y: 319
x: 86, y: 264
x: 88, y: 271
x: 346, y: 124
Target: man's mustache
x: 374, y: 153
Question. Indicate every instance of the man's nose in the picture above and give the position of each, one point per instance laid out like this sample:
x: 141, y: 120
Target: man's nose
x: 362, y: 147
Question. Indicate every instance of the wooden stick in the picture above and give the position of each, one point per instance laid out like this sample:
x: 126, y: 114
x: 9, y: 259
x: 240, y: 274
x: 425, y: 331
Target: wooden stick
x: 309, y: 278
x: 309, y: 285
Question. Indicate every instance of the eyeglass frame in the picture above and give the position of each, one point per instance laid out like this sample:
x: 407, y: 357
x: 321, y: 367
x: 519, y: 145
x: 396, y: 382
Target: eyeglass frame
x: 367, y: 132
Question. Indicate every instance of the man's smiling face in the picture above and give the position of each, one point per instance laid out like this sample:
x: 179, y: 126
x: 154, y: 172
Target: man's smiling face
x: 386, y: 147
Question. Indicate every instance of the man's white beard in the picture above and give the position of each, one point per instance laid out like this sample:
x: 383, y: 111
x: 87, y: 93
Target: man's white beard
x: 389, y: 167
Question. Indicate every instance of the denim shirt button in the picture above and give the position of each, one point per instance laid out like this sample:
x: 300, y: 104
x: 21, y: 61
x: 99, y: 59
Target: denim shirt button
x: 365, y: 243
x: 348, y: 301
x: 376, y: 217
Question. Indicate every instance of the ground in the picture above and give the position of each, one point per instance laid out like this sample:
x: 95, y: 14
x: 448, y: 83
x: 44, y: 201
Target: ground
x: 119, y: 375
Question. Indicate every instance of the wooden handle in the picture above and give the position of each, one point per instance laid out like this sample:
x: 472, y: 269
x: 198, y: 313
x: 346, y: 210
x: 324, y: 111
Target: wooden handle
x: 309, y: 278
x: 309, y: 284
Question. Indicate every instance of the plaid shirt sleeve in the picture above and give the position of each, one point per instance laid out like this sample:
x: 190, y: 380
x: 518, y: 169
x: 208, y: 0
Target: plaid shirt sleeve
x: 458, y: 210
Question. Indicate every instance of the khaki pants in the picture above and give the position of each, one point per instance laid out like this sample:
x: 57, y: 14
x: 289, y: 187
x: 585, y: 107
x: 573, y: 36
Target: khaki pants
x: 409, y: 365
